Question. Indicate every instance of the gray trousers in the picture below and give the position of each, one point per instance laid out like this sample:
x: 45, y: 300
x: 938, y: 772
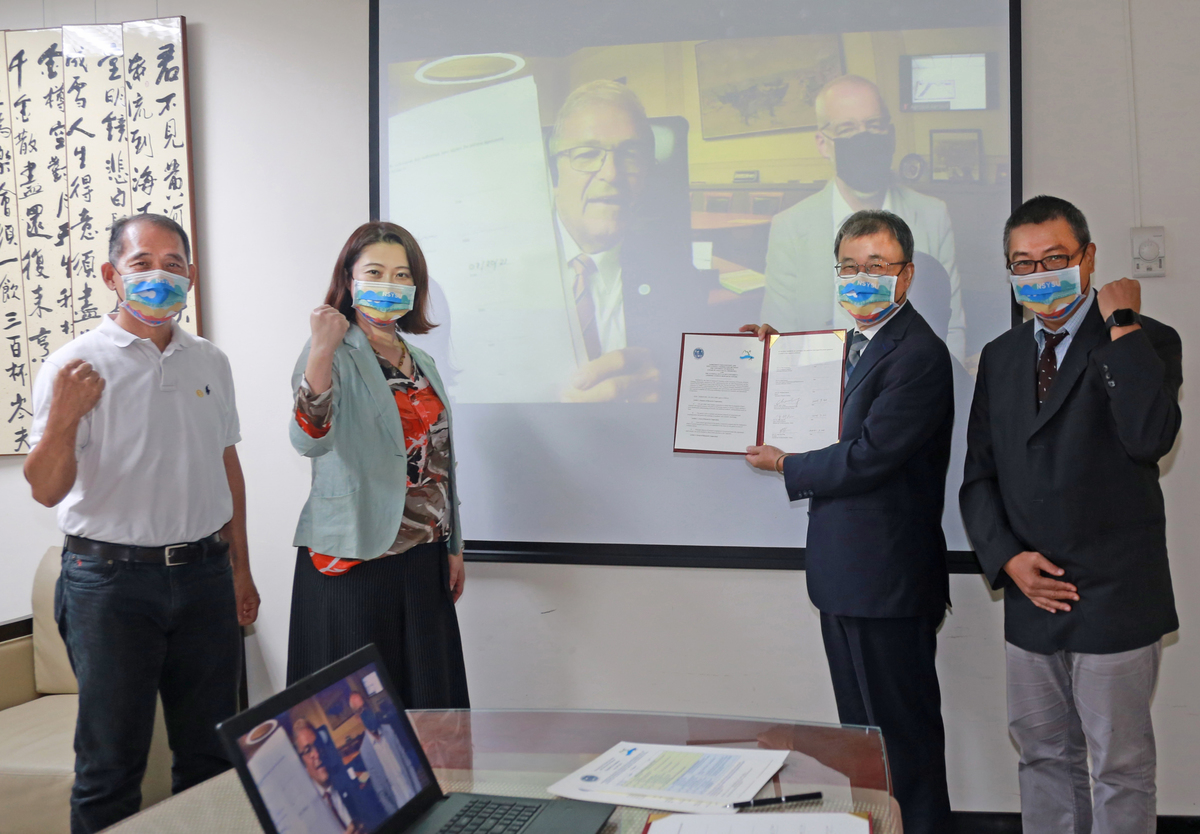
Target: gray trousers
x: 1067, y: 705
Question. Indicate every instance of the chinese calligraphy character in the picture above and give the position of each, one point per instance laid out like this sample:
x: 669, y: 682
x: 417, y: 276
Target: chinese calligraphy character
x: 48, y: 57
x: 166, y: 72
x: 137, y: 67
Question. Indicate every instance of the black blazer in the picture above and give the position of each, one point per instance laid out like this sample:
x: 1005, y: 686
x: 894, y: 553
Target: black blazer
x: 1077, y: 481
x: 875, y: 542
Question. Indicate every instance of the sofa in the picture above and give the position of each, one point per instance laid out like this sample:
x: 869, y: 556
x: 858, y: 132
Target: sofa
x: 38, y: 702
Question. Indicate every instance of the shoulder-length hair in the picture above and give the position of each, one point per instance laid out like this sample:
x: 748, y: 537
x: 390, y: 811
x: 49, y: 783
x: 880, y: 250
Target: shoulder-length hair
x: 341, y: 293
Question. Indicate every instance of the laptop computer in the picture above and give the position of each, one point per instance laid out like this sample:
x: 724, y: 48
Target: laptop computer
x: 335, y: 754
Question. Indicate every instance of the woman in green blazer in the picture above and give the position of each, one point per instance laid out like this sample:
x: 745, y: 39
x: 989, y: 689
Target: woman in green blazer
x: 379, y: 546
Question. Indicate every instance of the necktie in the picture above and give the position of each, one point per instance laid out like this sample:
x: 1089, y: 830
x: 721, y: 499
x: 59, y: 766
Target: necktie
x: 585, y: 308
x: 1047, y: 367
x: 858, y: 343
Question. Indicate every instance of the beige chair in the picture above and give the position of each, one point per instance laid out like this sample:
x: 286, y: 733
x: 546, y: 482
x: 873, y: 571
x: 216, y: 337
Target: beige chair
x: 38, y: 702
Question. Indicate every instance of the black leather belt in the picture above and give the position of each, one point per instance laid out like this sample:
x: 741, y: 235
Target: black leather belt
x: 171, y: 555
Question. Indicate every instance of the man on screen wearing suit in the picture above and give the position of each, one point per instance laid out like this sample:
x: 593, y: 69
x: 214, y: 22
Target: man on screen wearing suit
x: 856, y: 134
x: 876, y: 555
x: 626, y: 290
x: 1072, y: 412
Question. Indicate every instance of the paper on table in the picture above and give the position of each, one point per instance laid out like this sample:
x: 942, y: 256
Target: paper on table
x: 468, y: 178
x: 803, y: 404
x: 762, y: 824
x: 672, y: 777
x: 720, y: 384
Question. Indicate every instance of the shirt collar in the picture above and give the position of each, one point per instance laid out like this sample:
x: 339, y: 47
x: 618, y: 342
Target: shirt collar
x: 121, y: 337
x: 1072, y: 324
x: 870, y: 332
x: 571, y: 250
x: 842, y: 210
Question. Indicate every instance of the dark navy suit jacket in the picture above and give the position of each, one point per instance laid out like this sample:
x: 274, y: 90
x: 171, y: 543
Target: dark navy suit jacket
x: 1077, y: 481
x: 875, y: 542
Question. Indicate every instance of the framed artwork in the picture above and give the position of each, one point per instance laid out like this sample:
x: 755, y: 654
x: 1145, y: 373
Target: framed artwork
x: 758, y: 85
x: 956, y: 155
x: 93, y: 127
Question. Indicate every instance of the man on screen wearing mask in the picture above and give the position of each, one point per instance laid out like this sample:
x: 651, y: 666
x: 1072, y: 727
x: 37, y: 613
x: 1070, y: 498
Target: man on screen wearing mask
x: 133, y: 439
x: 623, y: 301
x: 1072, y: 412
x: 875, y: 558
x: 855, y: 133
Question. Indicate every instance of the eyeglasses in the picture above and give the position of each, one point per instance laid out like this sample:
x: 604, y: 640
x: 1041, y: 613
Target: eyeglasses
x: 588, y: 159
x: 1049, y: 263
x: 843, y: 130
x: 306, y: 750
x: 875, y: 269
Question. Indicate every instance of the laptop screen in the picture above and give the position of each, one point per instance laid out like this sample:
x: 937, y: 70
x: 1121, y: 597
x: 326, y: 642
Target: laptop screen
x: 331, y: 754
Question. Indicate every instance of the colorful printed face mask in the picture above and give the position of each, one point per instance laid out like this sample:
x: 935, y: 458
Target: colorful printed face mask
x: 381, y: 302
x: 1051, y: 296
x: 867, y: 298
x: 156, y: 296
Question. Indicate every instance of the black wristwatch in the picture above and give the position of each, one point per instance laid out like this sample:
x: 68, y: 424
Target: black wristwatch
x: 1123, y: 318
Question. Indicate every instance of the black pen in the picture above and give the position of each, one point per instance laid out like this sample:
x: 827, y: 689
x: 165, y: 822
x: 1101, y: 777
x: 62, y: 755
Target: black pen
x: 776, y: 800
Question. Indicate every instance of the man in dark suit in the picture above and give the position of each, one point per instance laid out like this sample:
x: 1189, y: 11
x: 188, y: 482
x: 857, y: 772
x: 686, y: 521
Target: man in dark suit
x: 1060, y: 497
x: 876, y: 555
x: 625, y: 251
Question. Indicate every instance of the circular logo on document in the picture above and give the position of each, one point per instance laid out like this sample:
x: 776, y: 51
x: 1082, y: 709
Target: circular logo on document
x: 698, y: 353
x: 590, y: 778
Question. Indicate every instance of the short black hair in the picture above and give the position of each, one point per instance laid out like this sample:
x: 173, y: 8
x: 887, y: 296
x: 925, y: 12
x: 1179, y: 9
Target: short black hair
x: 870, y: 221
x: 1042, y: 209
x: 116, y: 238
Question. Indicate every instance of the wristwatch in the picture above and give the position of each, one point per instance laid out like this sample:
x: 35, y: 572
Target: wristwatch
x: 1123, y: 318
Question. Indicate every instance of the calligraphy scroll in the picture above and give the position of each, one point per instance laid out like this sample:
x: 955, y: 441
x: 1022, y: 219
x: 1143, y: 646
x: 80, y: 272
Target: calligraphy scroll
x: 156, y: 83
x: 93, y: 127
x: 14, y: 347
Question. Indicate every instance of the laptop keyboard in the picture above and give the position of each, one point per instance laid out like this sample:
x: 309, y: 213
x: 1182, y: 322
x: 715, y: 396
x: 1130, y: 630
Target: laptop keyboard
x: 485, y: 816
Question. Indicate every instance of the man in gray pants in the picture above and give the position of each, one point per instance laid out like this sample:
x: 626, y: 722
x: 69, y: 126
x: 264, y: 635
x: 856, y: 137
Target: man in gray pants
x: 1060, y: 496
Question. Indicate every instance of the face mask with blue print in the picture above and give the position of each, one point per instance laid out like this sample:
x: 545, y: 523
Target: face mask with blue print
x: 381, y: 302
x: 1051, y: 296
x: 156, y: 296
x: 867, y: 298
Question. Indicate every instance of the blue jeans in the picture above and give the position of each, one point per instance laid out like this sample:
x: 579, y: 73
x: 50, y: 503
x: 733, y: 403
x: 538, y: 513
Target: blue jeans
x: 133, y: 630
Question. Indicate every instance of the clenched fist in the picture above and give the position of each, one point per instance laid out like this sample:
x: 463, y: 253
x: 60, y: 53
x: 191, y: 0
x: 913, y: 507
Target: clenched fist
x: 329, y: 327
x: 77, y: 389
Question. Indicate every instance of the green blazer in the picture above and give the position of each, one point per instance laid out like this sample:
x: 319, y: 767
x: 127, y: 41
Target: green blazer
x: 359, y: 469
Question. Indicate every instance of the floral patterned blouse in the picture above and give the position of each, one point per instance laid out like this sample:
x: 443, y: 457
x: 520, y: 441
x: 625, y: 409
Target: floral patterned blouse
x: 427, y: 436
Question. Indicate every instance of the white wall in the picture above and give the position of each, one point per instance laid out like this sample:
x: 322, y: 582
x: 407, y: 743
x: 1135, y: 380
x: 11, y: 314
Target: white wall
x: 281, y: 180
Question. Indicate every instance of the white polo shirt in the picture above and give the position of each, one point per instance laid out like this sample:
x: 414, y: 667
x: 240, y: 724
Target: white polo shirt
x: 150, y: 454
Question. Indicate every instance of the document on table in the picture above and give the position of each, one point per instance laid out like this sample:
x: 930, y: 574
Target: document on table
x: 762, y: 824
x: 672, y: 777
x: 468, y: 178
x: 802, y: 408
x: 736, y: 391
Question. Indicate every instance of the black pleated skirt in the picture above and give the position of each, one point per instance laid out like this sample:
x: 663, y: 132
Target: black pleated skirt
x: 402, y: 604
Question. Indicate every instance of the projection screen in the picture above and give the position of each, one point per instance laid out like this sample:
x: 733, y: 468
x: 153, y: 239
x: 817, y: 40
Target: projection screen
x: 700, y: 155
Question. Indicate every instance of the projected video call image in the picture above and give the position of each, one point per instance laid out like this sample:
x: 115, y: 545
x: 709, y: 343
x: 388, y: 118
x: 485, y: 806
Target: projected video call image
x: 581, y: 211
x: 337, y: 762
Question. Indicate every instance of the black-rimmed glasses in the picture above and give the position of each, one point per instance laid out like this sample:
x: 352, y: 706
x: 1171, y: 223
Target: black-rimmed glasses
x: 1050, y: 263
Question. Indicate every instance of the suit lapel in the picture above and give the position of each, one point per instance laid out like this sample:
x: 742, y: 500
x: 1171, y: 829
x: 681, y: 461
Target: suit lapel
x: 879, y: 347
x: 1091, y: 333
x: 372, y: 375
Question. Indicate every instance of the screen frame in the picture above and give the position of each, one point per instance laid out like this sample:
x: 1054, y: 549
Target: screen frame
x: 686, y: 556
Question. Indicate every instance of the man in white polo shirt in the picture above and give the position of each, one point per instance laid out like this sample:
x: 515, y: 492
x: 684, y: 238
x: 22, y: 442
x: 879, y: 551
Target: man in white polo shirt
x: 133, y: 439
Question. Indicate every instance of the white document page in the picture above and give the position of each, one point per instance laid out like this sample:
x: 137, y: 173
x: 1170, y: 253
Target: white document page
x: 803, y: 404
x: 468, y: 178
x: 720, y: 384
x: 762, y: 824
x: 672, y: 777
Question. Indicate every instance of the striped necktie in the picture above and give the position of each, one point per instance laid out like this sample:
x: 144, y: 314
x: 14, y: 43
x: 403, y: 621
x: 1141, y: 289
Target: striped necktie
x: 585, y: 307
x: 858, y: 343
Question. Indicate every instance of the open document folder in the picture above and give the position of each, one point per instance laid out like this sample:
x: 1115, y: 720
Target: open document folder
x: 763, y: 824
x: 672, y: 777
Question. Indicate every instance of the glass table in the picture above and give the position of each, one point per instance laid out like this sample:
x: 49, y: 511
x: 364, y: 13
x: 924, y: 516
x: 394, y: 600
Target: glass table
x: 522, y: 752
